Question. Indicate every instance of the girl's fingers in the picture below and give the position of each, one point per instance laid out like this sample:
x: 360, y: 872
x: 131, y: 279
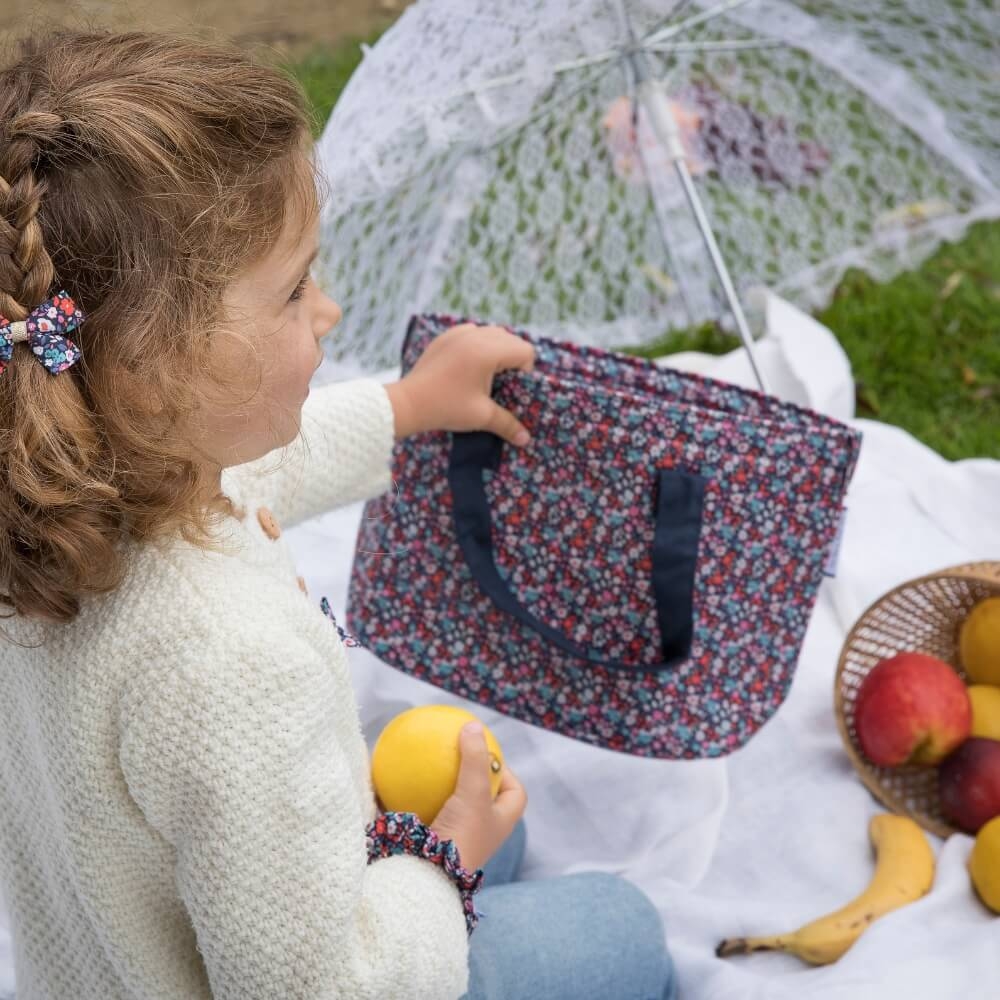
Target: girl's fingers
x: 515, y: 352
x: 474, y: 765
x: 510, y: 802
x: 504, y: 424
x: 509, y: 782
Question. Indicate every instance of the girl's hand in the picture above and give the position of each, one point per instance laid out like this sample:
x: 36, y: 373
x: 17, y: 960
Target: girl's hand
x: 448, y: 388
x: 471, y: 817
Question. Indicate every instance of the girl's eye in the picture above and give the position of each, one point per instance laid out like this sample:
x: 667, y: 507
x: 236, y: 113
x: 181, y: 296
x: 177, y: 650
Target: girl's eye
x: 299, y: 289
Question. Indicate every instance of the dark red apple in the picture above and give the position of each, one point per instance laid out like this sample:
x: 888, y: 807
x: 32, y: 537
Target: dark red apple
x: 911, y: 709
x: 969, y: 783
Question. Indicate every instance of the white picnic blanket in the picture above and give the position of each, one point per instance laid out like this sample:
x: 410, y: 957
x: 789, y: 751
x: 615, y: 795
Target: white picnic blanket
x: 775, y: 834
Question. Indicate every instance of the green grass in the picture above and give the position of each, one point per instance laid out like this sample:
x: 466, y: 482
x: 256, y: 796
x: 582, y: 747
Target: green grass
x: 324, y: 74
x: 924, y: 347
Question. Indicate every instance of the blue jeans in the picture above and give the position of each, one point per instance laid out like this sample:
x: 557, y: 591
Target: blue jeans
x: 585, y: 936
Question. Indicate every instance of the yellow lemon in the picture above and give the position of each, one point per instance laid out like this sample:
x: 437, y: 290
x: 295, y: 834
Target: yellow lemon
x: 985, y: 700
x: 984, y: 864
x: 416, y: 759
x: 979, y: 642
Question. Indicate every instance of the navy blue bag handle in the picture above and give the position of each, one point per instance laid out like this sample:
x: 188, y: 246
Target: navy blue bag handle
x: 674, y: 557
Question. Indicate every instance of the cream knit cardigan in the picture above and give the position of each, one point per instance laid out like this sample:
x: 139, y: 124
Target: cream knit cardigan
x: 184, y: 782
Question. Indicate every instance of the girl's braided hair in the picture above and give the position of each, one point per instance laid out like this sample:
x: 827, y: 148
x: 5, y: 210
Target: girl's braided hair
x: 141, y: 172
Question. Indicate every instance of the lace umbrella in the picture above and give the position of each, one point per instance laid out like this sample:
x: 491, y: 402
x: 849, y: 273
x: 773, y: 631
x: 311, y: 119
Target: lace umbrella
x: 607, y: 170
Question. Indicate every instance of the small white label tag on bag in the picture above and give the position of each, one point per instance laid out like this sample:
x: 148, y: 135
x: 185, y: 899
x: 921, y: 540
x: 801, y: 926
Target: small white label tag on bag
x: 834, y: 557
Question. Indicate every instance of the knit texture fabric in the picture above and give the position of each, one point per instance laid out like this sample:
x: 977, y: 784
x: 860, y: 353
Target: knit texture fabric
x: 184, y: 781
x: 405, y: 833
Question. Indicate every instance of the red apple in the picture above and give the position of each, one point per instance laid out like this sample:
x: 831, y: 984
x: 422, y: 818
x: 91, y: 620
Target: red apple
x: 969, y: 783
x: 911, y: 709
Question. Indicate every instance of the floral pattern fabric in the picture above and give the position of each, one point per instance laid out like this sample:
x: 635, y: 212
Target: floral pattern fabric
x: 572, y: 527
x: 46, y: 327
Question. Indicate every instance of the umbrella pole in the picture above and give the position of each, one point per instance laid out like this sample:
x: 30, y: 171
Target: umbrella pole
x: 651, y: 94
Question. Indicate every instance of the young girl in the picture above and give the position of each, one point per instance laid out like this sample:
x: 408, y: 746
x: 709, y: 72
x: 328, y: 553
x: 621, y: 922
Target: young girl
x: 185, y: 802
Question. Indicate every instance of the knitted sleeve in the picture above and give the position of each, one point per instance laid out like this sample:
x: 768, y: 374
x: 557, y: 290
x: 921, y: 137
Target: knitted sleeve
x: 342, y: 454
x: 235, y: 763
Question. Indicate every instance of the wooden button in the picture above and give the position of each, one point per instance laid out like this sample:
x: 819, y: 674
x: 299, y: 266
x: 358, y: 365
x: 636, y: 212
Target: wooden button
x: 268, y: 523
x: 302, y: 586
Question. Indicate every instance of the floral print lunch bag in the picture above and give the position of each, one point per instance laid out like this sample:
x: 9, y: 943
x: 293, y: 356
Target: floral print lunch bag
x: 640, y: 576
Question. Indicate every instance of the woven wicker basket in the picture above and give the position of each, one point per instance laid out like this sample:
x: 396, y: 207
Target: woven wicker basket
x: 923, y: 616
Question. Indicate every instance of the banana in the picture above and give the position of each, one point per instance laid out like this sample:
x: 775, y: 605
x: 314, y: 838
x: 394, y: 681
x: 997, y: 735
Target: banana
x: 904, y: 871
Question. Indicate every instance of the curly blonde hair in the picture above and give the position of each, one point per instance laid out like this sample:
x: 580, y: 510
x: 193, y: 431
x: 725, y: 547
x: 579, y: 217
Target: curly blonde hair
x: 142, y: 173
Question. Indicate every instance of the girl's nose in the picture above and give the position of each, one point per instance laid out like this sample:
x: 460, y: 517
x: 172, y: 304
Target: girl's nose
x: 329, y: 315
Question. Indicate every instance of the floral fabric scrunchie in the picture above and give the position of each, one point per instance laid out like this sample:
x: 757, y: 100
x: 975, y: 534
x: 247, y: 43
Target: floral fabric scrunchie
x: 404, y: 833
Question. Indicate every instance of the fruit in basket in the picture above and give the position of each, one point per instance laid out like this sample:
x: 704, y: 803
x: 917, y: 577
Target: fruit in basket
x: 985, y: 700
x: 969, y: 783
x: 416, y: 759
x: 984, y: 864
x: 911, y: 709
x: 904, y: 871
x: 979, y: 642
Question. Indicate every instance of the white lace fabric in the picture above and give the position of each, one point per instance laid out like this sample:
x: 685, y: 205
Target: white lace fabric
x: 484, y: 160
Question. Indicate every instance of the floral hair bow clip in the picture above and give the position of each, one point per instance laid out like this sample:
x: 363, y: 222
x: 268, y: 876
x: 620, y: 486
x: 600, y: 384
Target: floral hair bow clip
x: 45, y: 330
